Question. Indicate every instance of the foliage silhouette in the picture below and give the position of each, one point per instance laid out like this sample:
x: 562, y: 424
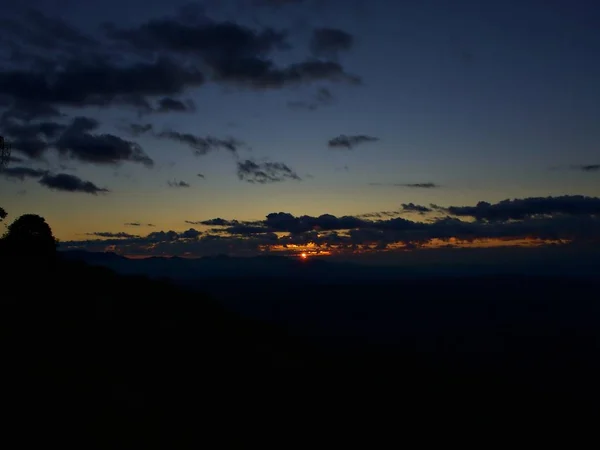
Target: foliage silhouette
x: 29, y: 236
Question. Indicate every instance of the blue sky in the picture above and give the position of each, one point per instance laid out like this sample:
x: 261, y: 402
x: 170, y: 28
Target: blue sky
x: 486, y: 100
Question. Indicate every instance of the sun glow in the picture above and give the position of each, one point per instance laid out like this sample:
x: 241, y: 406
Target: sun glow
x: 303, y: 255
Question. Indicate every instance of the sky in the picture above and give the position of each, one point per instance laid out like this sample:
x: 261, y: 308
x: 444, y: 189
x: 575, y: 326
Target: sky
x: 319, y: 126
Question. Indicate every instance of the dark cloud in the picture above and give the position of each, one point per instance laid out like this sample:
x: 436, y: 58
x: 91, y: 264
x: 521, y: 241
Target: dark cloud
x: 411, y: 207
x: 578, y: 223
x: 323, y: 97
x: 48, y: 63
x: 427, y: 185
x: 37, y: 30
x: 119, y: 235
x: 329, y: 42
x: 23, y: 131
x: 201, y: 145
x: 587, y: 167
x: 178, y: 184
x: 31, y: 147
x: 74, y: 140
x: 30, y: 110
x: 30, y: 139
x: 349, y: 142
x: 70, y: 183
x: 378, y: 215
x: 214, y: 222
x: 20, y: 173
x: 200, y: 175
x: 168, y: 104
x: 137, y: 129
x: 265, y: 172
x: 78, y: 143
x: 99, y: 83
x: 230, y: 53
x: 519, y: 209
x: 138, y: 224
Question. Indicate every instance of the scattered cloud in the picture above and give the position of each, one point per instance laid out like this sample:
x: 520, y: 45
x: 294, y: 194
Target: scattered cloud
x: 139, y: 224
x: 567, y: 219
x: 411, y: 207
x: 21, y: 173
x: 178, y: 184
x: 201, y: 145
x: 587, y: 167
x: 323, y: 97
x: 329, y: 42
x: 27, y: 110
x: 520, y: 209
x: 137, y: 129
x: 200, y: 175
x: 349, y: 142
x: 70, y: 183
x: 229, y: 53
x: 80, y: 83
x: 265, y: 172
x: 79, y: 143
x: 75, y: 140
x: 427, y: 185
x: 119, y: 235
x: 168, y: 104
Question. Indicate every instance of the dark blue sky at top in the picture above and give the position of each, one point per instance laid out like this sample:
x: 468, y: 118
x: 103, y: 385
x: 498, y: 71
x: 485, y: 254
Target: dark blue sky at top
x: 489, y: 100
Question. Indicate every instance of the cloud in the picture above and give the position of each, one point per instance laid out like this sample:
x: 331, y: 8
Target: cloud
x: 20, y: 173
x: 107, y: 234
x: 587, y: 167
x: 201, y: 145
x: 70, y: 183
x: 138, y: 224
x: 137, y: 129
x: 27, y: 110
x: 285, y: 232
x: 48, y: 64
x: 78, y: 143
x: 323, y: 97
x: 19, y: 131
x: 427, y: 185
x: 74, y: 140
x: 265, y: 172
x: 178, y: 184
x: 168, y: 104
x: 329, y: 42
x: 200, y: 175
x: 411, y: 207
x: 30, y: 139
x: 520, y: 209
x: 349, y: 142
x: 99, y: 83
x: 378, y: 215
x: 229, y: 53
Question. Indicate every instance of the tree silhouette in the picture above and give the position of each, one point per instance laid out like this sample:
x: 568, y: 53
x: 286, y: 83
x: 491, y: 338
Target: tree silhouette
x: 30, y: 236
x: 2, y: 214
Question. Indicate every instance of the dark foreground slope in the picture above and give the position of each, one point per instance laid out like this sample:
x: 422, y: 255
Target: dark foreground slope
x: 122, y: 362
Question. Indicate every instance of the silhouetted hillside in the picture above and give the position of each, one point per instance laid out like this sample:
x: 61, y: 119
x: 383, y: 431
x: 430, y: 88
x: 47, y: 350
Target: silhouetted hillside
x: 143, y: 362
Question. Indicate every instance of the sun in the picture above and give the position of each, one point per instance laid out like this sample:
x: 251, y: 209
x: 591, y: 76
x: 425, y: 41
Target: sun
x: 303, y: 256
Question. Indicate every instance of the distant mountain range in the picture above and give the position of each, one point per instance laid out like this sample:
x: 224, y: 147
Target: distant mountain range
x: 546, y: 262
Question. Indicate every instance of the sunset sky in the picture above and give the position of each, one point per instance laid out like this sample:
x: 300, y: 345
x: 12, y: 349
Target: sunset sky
x: 184, y: 128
